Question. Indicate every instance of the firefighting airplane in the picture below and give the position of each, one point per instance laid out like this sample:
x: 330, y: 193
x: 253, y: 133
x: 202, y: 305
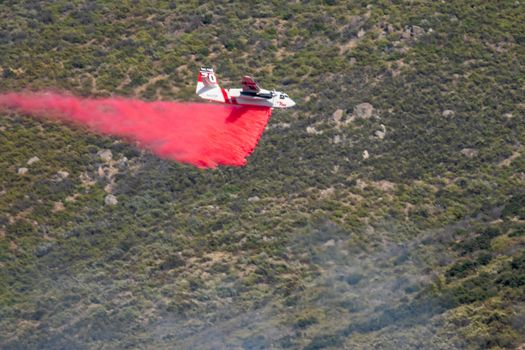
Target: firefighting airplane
x: 250, y: 94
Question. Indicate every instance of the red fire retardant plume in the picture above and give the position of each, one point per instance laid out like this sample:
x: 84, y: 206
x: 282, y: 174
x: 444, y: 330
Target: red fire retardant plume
x: 205, y: 135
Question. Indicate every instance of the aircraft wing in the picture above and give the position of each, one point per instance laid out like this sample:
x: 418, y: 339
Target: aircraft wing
x: 249, y: 85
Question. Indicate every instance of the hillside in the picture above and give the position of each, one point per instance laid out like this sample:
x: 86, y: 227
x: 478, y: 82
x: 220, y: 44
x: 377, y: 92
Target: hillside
x: 385, y: 211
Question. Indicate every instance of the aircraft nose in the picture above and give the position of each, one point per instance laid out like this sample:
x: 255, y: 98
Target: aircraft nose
x: 291, y: 103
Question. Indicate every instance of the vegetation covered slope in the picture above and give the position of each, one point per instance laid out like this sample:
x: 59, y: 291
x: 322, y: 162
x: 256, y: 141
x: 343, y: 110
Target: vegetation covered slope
x: 385, y: 211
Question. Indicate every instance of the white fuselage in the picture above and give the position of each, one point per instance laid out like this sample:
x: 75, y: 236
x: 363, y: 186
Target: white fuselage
x: 264, y: 98
x: 273, y: 99
x: 251, y: 94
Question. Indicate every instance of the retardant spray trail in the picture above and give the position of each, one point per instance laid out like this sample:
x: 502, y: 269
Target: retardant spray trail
x: 205, y: 135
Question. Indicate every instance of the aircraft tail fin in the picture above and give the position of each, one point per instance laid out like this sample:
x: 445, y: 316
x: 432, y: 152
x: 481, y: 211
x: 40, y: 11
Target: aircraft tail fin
x: 208, y: 87
x: 206, y: 79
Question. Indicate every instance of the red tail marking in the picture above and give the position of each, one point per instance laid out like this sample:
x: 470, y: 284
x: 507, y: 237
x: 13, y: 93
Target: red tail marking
x: 225, y: 95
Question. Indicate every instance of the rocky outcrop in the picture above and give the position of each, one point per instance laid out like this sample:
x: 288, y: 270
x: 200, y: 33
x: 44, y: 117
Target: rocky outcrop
x: 22, y: 171
x: 338, y: 115
x: 110, y: 200
x: 380, y: 134
x: 469, y: 152
x: 33, y: 160
x: 312, y: 131
x: 86, y: 180
x: 105, y: 155
x: 280, y: 126
x: 448, y: 113
x: 412, y: 32
x: 329, y: 243
x: 363, y: 110
x: 417, y: 31
x: 62, y: 174
x: 58, y: 206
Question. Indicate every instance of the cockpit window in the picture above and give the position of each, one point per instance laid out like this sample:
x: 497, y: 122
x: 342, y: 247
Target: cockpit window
x: 282, y: 97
